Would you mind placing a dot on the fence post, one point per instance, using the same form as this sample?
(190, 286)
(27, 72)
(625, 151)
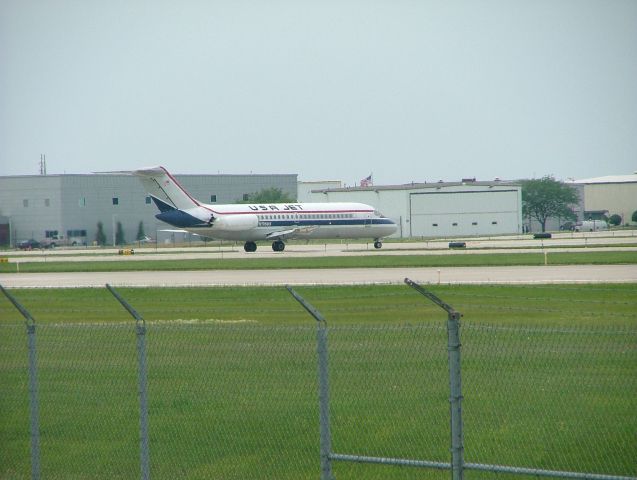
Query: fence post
(455, 383)
(324, 388)
(140, 328)
(455, 399)
(34, 414)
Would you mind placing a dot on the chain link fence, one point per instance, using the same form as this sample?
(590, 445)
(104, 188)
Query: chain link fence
(238, 400)
(225, 401)
(552, 398)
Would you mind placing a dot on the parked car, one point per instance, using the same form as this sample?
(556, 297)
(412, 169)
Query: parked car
(29, 244)
(591, 226)
(49, 243)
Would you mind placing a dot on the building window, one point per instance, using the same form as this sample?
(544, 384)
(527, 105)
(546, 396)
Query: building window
(434, 224)
(51, 234)
(47, 202)
(148, 200)
(474, 223)
(454, 224)
(82, 202)
(494, 223)
(246, 197)
(115, 201)
(213, 198)
(25, 202)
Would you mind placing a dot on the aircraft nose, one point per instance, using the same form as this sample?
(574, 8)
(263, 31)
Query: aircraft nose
(390, 228)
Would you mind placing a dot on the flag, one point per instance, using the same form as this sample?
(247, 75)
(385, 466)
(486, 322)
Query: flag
(367, 181)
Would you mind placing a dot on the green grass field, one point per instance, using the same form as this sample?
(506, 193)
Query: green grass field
(550, 380)
(458, 259)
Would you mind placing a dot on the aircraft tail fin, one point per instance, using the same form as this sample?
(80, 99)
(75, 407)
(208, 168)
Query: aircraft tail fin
(163, 187)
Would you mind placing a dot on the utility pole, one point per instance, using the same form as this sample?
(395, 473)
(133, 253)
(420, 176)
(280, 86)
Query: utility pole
(42, 164)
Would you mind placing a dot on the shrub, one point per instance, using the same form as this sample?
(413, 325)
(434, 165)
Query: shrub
(100, 237)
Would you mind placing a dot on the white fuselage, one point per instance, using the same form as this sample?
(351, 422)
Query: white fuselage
(251, 222)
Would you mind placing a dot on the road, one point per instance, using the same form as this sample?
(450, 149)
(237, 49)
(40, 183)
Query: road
(349, 276)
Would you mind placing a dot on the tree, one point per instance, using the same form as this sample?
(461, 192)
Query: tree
(269, 195)
(546, 198)
(615, 219)
(100, 237)
(634, 217)
(119, 234)
(140, 231)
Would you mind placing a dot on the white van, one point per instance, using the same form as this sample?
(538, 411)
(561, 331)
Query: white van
(591, 226)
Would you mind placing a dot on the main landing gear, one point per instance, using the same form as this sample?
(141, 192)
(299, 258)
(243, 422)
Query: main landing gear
(378, 243)
(277, 246)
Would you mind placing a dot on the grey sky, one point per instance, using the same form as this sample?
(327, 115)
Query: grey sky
(409, 90)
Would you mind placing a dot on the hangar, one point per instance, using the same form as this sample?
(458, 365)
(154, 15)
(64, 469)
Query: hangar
(65, 208)
(443, 209)
(608, 195)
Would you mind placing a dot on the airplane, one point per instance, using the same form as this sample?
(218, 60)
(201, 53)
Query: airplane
(253, 222)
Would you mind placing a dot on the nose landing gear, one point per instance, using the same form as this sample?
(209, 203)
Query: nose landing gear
(377, 243)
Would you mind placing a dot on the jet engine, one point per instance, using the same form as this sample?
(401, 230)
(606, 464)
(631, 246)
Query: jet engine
(235, 223)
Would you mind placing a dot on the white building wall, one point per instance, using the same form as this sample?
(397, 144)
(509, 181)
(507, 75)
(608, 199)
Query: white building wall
(474, 209)
(32, 207)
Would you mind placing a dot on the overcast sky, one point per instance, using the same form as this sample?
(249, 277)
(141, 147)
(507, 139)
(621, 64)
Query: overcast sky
(407, 90)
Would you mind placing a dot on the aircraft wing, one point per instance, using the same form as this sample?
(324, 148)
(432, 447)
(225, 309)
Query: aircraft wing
(171, 230)
(292, 232)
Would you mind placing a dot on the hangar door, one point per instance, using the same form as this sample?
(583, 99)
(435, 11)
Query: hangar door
(450, 214)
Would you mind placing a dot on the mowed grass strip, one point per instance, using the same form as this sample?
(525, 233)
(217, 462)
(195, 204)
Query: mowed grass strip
(546, 305)
(549, 380)
(458, 259)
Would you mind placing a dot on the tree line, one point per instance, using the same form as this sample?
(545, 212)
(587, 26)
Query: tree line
(546, 198)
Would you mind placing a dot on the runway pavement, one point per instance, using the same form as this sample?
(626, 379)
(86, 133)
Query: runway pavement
(449, 275)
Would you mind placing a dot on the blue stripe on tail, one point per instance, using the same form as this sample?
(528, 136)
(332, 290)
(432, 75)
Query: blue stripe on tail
(161, 205)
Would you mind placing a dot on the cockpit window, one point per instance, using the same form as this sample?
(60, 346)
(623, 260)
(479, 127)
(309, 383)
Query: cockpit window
(377, 213)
